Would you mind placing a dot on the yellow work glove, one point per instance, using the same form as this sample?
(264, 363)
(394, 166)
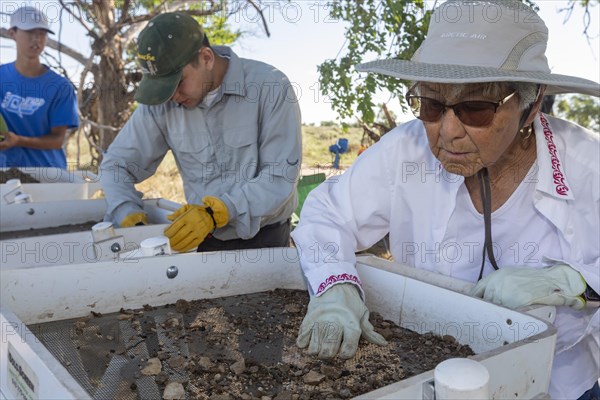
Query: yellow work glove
(192, 223)
(138, 218)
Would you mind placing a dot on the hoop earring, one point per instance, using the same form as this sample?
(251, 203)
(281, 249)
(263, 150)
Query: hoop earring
(526, 132)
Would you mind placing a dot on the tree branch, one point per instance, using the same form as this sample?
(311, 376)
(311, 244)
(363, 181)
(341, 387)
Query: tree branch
(87, 68)
(587, 17)
(136, 27)
(262, 17)
(388, 116)
(84, 120)
(79, 18)
(124, 12)
(53, 44)
(370, 133)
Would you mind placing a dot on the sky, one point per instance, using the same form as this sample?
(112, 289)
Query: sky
(303, 35)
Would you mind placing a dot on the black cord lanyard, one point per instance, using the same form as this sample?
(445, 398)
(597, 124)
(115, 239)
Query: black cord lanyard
(486, 199)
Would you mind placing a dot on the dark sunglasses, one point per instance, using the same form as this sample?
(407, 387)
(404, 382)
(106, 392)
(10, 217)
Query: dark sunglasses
(472, 113)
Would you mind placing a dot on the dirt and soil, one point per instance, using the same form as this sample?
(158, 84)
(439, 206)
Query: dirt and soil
(55, 230)
(14, 173)
(238, 347)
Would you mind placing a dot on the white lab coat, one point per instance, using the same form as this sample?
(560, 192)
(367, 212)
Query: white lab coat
(398, 186)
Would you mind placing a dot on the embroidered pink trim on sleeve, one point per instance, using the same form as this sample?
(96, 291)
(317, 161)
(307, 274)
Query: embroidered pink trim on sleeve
(559, 178)
(336, 279)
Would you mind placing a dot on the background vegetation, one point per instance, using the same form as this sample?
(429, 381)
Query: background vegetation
(166, 183)
(374, 29)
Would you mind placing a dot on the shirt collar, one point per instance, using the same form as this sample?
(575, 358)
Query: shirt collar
(551, 174)
(551, 177)
(233, 81)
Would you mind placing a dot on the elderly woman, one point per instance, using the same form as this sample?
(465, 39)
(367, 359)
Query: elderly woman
(514, 192)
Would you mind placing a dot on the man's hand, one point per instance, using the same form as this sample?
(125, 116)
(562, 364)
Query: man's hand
(134, 219)
(559, 285)
(192, 223)
(335, 322)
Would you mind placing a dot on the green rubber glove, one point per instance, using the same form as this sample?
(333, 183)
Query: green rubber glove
(3, 127)
(134, 219)
(559, 285)
(192, 223)
(335, 321)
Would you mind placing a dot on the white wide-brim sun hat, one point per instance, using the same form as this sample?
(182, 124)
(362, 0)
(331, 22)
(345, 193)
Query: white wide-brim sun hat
(483, 41)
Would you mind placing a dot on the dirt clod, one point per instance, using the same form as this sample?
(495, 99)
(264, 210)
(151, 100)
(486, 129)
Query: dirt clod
(153, 367)
(313, 378)
(173, 391)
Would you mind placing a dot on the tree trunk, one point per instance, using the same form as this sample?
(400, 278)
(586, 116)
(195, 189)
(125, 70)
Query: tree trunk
(112, 101)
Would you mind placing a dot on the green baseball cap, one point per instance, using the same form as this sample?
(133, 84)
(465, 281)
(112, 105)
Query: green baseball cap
(166, 45)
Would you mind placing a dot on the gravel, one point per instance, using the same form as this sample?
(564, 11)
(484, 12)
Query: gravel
(238, 347)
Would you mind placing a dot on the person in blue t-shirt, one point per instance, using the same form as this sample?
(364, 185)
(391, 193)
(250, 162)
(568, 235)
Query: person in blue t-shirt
(38, 105)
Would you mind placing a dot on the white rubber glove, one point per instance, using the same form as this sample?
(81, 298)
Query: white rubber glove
(559, 285)
(335, 321)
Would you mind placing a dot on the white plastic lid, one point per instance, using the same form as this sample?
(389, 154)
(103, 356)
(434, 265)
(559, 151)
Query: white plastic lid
(102, 231)
(154, 246)
(461, 378)
(13, 183)
(102, 226)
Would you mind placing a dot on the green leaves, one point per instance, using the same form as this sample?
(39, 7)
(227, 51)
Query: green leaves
(377, 29)
(218, 30)
(584, 110)
(3, 127)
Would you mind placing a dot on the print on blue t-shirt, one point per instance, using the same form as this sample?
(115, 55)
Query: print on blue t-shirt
(32, 107)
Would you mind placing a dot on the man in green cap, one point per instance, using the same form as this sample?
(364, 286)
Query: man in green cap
(234, 128)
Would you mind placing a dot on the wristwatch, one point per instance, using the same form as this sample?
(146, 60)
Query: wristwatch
(592, 298)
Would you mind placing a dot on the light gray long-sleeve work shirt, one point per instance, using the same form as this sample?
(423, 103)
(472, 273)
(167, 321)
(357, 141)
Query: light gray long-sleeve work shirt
(245, 148)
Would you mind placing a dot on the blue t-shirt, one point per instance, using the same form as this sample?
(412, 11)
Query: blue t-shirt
(32, 107)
